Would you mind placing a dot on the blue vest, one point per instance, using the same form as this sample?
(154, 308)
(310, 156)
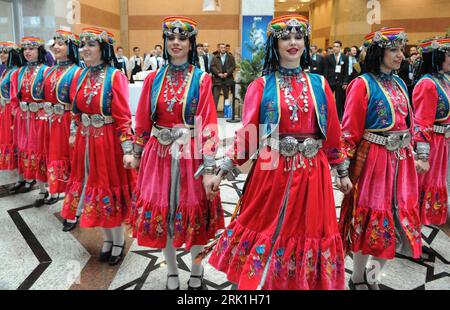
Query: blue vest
(443, 105)
(6, 83)
(381, 112)
(270, 108)
(106, 94)
(190, 98)
(64, 83)
(37, 89)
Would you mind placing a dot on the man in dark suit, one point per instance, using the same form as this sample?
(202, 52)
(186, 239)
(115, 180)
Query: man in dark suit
(316, 61)
(335, 68)
(222, 69)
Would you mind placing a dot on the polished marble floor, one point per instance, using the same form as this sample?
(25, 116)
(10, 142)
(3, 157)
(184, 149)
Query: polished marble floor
(35, 254)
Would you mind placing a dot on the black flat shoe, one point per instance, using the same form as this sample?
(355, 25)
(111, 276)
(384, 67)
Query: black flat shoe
(41, 201)
(202, 286)
(51, 200)
(114, 260)
(352, 286)
(105, 256)
(70, 226)
(17, 187)
(167, 283)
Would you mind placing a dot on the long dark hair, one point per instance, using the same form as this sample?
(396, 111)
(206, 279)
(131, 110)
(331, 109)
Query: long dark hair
(192, 56)
(374, 59)
(108, 54)
(272, 59)
(73, 55)
(14, 59)
(431, 63)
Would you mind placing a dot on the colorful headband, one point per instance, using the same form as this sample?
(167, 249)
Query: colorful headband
(67, 36)
(97, 34)
(429, 45)
(33, 42)
(8, 46)
(287, 24)
(386, 38)
(179, 25)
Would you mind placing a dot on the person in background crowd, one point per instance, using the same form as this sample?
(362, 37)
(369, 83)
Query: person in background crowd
(202, 62)
(335, 68)
(352, 60)
(222, 69)
(316, 61)
(122, 61)
(208, 54)
(135, 64)
(155, 62)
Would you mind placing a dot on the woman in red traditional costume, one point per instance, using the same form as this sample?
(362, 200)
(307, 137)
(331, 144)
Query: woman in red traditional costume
(431, 101)
(380, 216)
(10, 57)
(31, 120)
(176, 135)
(59, 91)
(99, 184)
(286, 235)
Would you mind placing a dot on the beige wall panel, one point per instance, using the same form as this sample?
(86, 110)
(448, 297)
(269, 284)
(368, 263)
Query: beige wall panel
(111, 6)
(178, 7)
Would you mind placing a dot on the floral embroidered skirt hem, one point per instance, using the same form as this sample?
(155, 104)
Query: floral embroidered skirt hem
(295, 263)
(8, 154)
(432, 185)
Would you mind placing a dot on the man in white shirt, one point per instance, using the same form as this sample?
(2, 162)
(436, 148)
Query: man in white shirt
(122, 60)
(135, 63)
(153, 63)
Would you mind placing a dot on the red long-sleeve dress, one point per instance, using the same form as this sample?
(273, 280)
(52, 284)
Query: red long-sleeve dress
(8, 156)
(305, 252)
(432, 185)
(98, 179)
(170, 205)
(58, 129)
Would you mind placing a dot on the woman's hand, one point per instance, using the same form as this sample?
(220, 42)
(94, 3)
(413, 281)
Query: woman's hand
(72, 140)
(130, 162)
(422, 166)
(211, 184)
(344, 185)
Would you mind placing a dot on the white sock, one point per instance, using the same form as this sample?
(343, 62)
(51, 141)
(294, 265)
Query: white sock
(118, 239)
(359, 268)
(196, 270)
(107, 236)
(170, 255)
(375, 270)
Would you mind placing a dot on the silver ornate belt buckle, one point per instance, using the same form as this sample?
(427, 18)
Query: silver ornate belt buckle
(310, 148)
(97, 121)
(289, 146)
(165, 136)
(2, 103)
(85, 120)
(406, 140)
(393, 143)
(447, 131)
(181, 135)
(34, 107)
(24, 106)
(48, 108)
(59, 109)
